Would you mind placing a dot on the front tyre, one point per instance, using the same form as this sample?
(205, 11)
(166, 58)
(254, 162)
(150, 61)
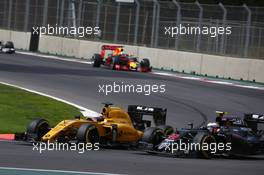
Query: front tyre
(37, 129)
(145, 63)
(97, 60)
(203, 138)
(88, 133)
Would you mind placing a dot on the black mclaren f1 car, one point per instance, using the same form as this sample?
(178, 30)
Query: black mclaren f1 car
(228, 136)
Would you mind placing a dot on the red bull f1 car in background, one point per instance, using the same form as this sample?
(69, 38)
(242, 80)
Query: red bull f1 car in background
(228, 136)
(117, 60)
(7, 47)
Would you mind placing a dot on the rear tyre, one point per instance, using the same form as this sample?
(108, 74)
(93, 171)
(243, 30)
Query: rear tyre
(113, 65)
(168, 130)
(88, 133)
(153, 135)
(204, 138)
(37, 129)
(97, 60)
(114, 62)
(9, 44)
(262, 137)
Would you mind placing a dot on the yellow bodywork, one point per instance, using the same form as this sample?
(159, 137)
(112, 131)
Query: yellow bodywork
(133, 65)
(110, 116)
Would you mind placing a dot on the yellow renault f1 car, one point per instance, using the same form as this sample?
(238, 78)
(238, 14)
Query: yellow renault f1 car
(114, 125)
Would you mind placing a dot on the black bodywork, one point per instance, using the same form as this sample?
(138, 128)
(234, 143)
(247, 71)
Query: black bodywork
(240, 137)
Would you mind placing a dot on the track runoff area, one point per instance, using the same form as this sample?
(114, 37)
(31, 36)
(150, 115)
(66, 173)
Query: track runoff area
(186, 100)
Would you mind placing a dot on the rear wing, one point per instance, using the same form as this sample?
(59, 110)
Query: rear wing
(255, 121)
(110, 47)
(136, 113)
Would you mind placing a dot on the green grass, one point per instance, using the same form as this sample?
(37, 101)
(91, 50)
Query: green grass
(19, 107)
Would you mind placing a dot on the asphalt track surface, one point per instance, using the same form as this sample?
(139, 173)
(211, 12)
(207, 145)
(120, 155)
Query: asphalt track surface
(186, 100)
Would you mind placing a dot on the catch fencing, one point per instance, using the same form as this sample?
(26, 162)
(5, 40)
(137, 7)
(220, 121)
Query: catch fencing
(144, 23)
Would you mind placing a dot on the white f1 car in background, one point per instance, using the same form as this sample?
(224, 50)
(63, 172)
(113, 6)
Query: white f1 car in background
(7, 47)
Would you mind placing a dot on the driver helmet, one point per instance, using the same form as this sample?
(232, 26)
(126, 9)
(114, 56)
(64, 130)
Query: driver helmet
(118, 51)
(213, 127)
(212, 124)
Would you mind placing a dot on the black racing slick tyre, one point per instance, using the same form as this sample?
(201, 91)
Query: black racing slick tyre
(153, 135)
(204, 138)
(262, 137)
(145, 63)
(88, 133)
(9, 44)
(114, 62)
(168, 130)
(113, 65)
(37, 129)
(97, 60)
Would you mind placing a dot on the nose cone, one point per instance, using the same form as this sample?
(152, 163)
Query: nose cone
(46, 137)
(132, 65)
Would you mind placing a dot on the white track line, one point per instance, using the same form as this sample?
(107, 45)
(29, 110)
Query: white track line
(209, 81)
(53, 171)
(157, 73)
(85, 111)
(56, 57)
